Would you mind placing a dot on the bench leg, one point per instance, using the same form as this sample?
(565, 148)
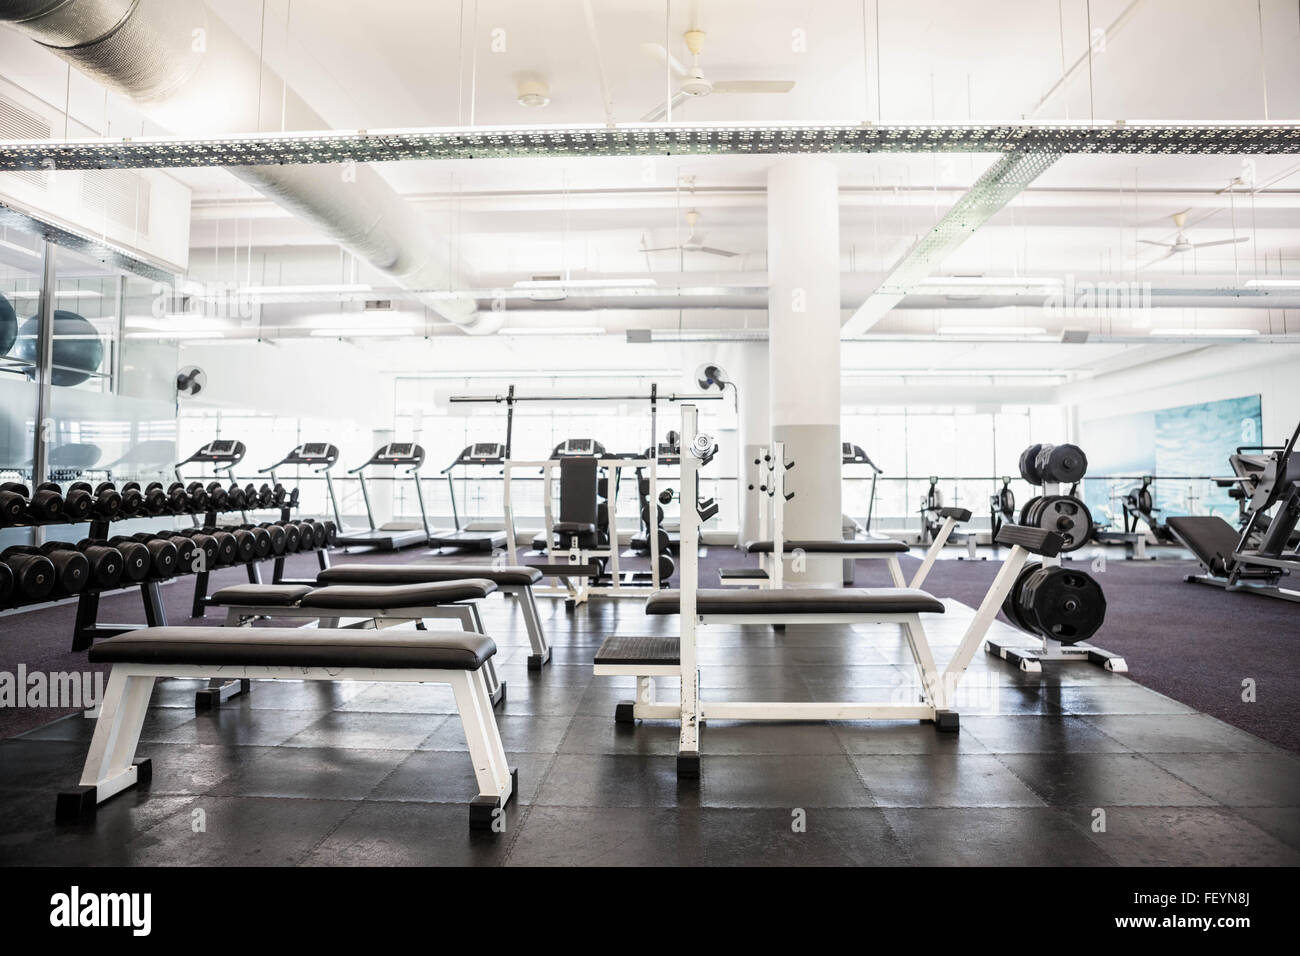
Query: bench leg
(933, 690)
(895, 572)
(533, 622)
(496, 781)
(110, 766)
(476, 618)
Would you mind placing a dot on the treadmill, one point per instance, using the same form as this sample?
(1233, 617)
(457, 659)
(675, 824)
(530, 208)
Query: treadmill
(393, 535)
(482, 454)
(319, 455)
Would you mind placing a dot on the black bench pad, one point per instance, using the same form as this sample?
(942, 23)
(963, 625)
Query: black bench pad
(345, 596)
(261, 595)
(799, 601)
(296, 647)
(831, 546)
(388, 574)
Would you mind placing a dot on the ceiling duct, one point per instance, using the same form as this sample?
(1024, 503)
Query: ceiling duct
(189, 72)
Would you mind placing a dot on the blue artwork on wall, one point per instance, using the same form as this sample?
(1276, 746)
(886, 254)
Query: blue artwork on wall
(1172, 444)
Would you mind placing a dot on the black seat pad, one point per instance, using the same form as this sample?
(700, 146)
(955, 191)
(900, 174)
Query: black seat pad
(830, 546)
(296, 647)
(261, 595)
(389, 574)
(1209, 537)
(344, 596)
(799, 601)
(573, 527)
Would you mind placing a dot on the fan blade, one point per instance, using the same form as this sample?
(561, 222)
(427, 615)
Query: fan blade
(660, 111)
(1220, 242)
(657, 51)
(1162, 245)
(753, 86)
(716, 252)
(1154, 261)
(662, 249)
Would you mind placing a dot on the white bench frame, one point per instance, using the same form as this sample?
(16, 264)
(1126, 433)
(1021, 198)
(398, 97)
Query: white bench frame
(111, 767)
(938, 688)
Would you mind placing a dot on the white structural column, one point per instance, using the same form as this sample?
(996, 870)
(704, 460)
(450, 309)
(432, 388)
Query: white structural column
(747, 362)
(803, 243)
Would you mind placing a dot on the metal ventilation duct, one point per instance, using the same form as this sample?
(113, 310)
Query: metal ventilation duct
(189, 72)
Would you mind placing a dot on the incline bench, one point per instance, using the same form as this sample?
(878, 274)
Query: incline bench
(771, 570)
(516, 580)
(139, 657)
(378, 607)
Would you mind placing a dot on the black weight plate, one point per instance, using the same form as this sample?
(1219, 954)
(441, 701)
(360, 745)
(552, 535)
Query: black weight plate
(1064, 464)
(1065, 604)
(666, 567)
(1068, 517)
(1028, 469)
(1011, 603)
(1027, 510)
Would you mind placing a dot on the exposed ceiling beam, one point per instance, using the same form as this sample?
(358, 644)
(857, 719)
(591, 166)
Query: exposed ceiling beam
(1000, 183)
(655, 139)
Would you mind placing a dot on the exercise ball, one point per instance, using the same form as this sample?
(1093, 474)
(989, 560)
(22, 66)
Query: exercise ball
(8, 325)
(77, 348)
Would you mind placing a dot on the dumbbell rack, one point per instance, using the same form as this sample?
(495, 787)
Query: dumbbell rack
(88, 627)
(1049, 650)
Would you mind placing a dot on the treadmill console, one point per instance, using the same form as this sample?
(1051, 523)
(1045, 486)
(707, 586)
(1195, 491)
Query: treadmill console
(222, 451)
(579, 448)
(398, 454)
(312, 454)
(482, 453)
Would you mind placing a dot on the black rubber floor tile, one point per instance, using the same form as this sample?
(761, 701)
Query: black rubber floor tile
(942, 780)
(609, 781)
(1040, 733)
(1239, 779)
(194, 768)
(40, 764)
(76, 727)
(412, 834)
(904, 737)
(519, 734)
(603, 836)
(235, 725)
(1026, 836)
(312, 773)
(1281, 823)
(447, 776)
(1102, 780)
(369, 731)
(30, 837)
(1105, 699)
(601, 735)
(395, 698)
(1178, 733)
(778, 837)
(787, 781)
(240, 831)
(750, 737)
(1185, 836)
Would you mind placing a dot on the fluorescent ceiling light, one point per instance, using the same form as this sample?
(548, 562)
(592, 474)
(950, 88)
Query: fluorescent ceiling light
(61, 294)
(35, 254)
(586, 283)
(1273, 283)
(555, 330)
(990, 330)
(325, 289)
(1208, 333)
(197, 334)
(1028, 283)
(356, 332)
(177, 323)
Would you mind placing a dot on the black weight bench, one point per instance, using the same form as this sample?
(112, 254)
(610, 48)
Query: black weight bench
(371, 606)
(139, 657)
(516, 580)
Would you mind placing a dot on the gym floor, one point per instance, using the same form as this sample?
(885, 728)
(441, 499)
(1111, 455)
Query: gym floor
(1074, 766)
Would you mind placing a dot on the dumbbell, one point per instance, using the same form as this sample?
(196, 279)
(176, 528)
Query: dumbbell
(184, 548)
(135, 556)
(71, 569)
(155, 499)
(13, 503)
(132, 499)
(200, 541)
(33, 574)
(278, 495)
(245, 544)
(320, 533)
(293, 498)
(331, 533)
(6, 584)
(46, 503)
(178, 502)
(163, 555)
(104, 564)
(292, 537)
(279, 540)
(250, 495)
(235, 497)
(105, 501)
(218, 497)
(265, 495)
(78, 504)
(261, 539)
(227, 546)
(198, 496)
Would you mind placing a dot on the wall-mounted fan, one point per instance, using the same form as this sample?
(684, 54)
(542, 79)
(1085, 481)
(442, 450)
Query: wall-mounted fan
(190, 381)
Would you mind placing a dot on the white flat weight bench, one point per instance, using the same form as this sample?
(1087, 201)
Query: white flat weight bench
(371, 606)
(139, 657)
(511, 580)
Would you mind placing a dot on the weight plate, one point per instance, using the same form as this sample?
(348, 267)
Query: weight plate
(1011, 603)
(1028, 469)
(666, 568)
(1068, 517)
(1065, 464)
(1064, 604)
(1029, 506)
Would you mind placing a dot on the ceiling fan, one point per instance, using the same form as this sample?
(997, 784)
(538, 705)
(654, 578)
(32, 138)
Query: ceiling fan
(1182, 244)
(694, 242)
(694, 83)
